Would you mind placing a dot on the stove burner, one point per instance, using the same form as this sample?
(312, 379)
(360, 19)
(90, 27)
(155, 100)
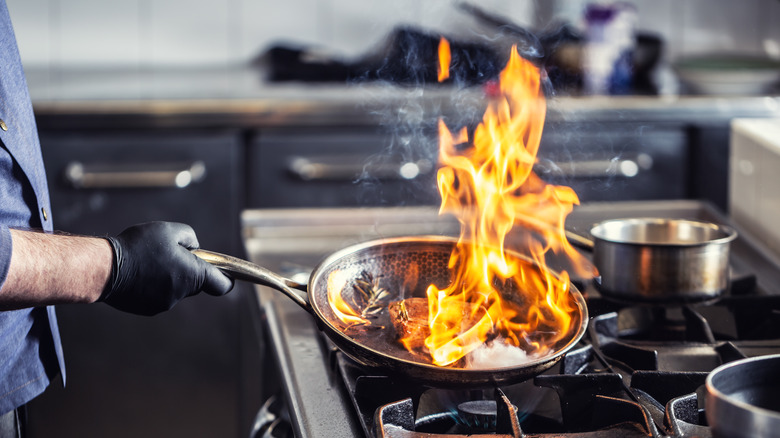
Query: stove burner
(497, 417)
(478, 414)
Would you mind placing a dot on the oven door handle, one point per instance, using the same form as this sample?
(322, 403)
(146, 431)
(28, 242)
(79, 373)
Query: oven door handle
(351, 167)
(141, 175)
(624, 167)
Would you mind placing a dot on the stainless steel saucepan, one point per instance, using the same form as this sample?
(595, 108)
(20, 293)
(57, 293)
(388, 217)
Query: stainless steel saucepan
(659, 259)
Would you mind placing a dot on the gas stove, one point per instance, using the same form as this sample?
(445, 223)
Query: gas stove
(639, 370)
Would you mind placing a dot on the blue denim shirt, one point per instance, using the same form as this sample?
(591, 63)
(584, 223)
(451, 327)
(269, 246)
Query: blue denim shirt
(30, 348)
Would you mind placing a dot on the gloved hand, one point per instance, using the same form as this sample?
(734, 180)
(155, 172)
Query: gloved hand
(153, 269)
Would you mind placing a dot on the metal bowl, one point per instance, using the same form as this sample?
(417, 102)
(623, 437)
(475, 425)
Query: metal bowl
(729, 74)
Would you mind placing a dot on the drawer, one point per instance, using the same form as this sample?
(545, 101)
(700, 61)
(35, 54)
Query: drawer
(323, 168)
(604, 162)
(100, 183)
(620, 161)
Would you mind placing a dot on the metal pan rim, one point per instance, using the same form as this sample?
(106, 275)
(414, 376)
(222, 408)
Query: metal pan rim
(550, 358)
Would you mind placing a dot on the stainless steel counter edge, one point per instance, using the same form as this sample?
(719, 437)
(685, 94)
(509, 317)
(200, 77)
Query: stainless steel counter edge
(368, 106)
(303, 370)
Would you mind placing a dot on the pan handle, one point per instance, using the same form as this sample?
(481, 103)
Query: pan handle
(241, 269)
(579, 240)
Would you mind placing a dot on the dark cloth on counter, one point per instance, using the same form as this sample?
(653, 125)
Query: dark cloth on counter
(30, 348)
(409, 56)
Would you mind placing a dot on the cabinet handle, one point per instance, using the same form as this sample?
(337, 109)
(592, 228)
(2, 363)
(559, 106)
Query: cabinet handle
(628, 167)
(151, 175)
(349, 168)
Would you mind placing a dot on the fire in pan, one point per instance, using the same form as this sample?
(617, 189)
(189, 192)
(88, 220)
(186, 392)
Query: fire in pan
(371, 300)
(464, 312)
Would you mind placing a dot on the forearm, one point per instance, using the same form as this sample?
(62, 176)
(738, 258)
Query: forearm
(54, 269)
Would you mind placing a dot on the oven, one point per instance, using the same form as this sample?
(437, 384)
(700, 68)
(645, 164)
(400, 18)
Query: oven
(638, 371)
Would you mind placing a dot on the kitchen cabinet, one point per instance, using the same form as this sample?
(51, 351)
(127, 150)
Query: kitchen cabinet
(102, 182)
(179, 373)
(327, 167)
(609, 161)
(319, 167)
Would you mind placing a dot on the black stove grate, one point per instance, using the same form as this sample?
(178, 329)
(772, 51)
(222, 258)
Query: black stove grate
(638, 372)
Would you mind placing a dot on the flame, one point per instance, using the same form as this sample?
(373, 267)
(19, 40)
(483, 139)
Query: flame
(487, 182)
(444, 59)
(337, 281)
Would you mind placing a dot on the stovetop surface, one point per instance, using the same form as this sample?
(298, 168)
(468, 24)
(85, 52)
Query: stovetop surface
(633, 356)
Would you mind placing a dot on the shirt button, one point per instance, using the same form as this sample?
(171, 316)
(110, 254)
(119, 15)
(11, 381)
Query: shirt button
(3, 126)
(45, 214)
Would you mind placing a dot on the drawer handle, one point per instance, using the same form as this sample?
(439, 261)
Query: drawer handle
(330, 169)
(348, 168)
(619, 167)
(115, 176)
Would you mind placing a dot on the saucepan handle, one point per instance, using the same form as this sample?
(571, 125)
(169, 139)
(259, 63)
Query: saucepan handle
(579, 240)
(241, 269)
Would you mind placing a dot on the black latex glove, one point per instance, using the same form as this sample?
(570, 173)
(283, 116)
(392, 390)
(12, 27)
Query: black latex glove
(153, 269)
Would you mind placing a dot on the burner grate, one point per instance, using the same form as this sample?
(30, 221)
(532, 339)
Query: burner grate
(637, 373)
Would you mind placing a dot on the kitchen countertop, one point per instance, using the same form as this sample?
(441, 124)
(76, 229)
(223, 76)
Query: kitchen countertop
(238, 96)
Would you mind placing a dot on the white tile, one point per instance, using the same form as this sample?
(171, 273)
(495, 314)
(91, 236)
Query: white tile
(655, 16)
(522, 12)
(360, 27)
(32, 24)
(444, 17)
(186, 32)
(721, 26)
(673, 47)
(96, 32)
(518, 12)
(267, 22)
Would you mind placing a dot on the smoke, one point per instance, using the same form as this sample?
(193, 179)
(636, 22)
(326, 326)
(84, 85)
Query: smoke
(400, 82)
(402, 170)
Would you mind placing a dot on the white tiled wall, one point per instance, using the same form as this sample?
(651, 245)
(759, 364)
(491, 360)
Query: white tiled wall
(55, 33)
(196, 32)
